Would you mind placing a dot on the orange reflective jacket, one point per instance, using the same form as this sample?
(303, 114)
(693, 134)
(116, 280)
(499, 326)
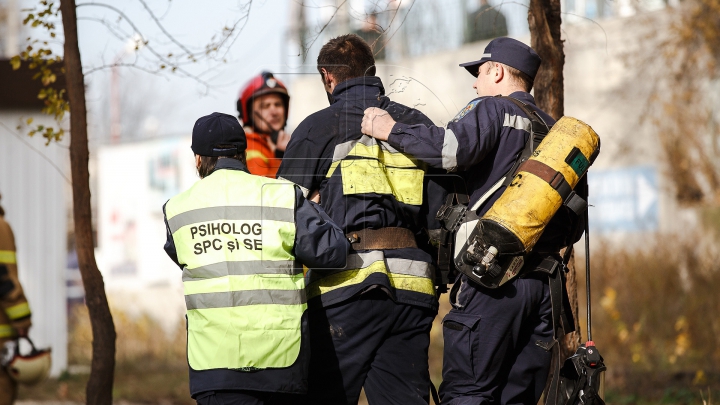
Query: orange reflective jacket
(261, 160)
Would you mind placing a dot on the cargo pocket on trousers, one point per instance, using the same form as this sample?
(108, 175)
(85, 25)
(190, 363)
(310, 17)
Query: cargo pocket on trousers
(458, 354)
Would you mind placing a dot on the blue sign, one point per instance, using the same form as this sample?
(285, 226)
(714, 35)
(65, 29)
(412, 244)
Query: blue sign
(624, 199)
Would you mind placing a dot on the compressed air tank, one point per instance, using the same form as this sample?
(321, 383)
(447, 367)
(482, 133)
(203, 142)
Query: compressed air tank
(542, 184)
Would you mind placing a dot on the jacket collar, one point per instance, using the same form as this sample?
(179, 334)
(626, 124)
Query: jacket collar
(526, 98)
(232, 164)
(359, 88)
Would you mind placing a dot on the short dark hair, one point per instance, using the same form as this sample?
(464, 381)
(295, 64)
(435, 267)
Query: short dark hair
(520, 78)
(207, 163)
(346, 57)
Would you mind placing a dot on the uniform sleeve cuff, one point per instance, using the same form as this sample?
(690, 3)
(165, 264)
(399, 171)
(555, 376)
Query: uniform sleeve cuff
(397, 134)
(399, 128)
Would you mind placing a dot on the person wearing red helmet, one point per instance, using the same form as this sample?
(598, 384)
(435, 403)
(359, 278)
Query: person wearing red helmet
(263, 108)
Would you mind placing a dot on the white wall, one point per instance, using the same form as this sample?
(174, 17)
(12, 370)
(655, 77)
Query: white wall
(134, 180)
(35, 197)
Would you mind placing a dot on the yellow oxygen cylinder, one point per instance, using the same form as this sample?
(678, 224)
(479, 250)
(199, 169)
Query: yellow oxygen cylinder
(516, 220)
(530, 201)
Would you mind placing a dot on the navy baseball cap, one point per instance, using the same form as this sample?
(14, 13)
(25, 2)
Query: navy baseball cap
(215, 130)
(510, 52)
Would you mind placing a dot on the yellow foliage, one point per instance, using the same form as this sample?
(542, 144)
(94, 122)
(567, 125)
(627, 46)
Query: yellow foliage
(647, 320)
(608, 300)
(682, 343)
(700, 378)
(55, 100)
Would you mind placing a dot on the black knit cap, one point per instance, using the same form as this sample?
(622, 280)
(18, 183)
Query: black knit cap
(215, 130)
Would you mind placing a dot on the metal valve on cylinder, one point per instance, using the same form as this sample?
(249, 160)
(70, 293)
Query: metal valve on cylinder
(485, 265)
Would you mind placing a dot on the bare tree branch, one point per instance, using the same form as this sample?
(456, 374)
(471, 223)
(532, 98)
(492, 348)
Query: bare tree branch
(119, 64)
(42, 155)
(401, 23)
(307, 48)
(162, 28)
(174, 65)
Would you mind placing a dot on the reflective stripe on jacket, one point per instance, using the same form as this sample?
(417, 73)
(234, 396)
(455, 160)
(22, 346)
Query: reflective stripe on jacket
(261, 160)
(365, 184)
(366, 166)
(234, 234)
(14, 308)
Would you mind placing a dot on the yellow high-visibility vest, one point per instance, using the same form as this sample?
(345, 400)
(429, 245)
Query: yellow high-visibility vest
(366, 166)
(245, 294)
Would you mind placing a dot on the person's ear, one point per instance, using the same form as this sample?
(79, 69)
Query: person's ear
(328, 78)
(197, 161)
(499, 73)
(323, 75)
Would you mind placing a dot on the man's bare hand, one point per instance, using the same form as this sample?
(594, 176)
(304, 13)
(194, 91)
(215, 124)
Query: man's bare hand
(282, 141)
(377, 123)
(315, 197)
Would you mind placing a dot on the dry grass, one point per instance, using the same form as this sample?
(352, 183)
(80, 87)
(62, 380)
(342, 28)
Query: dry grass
(656, 320)
(151, 363)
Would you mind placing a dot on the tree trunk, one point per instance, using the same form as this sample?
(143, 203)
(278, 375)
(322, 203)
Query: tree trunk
(99, 386)
(544, 20)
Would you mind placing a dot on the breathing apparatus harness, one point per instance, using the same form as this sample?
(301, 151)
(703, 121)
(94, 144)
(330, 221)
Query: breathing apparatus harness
(455, 214)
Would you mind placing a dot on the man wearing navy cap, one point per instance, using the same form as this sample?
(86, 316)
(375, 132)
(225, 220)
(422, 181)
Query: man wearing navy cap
(241, 241)
(491, 335)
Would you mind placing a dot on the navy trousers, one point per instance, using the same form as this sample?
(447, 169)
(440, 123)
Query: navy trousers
(248, 398)
(373, 342)
(490, 335)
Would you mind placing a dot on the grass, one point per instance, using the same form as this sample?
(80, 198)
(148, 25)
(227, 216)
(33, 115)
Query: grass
(151, 363)
(655, 320)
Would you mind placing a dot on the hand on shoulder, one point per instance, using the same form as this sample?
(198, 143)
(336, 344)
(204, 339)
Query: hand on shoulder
(377, 123)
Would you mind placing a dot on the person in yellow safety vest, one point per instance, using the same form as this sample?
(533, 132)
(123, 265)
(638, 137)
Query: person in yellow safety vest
(14, 309)
(241, 241)
(369, 322)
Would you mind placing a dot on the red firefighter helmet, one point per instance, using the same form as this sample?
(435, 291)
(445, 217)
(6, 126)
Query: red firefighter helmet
(260, 85)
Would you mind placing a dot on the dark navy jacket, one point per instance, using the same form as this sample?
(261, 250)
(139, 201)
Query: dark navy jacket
(320, 156)
(482, 143)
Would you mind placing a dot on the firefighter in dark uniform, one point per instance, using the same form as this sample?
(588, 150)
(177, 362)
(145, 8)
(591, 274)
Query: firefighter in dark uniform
(491, 351)
(241, 241)
(370, 319)
(14, 309)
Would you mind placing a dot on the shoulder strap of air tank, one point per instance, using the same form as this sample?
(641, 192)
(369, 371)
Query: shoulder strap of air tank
(538, 130)
(538, 124)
